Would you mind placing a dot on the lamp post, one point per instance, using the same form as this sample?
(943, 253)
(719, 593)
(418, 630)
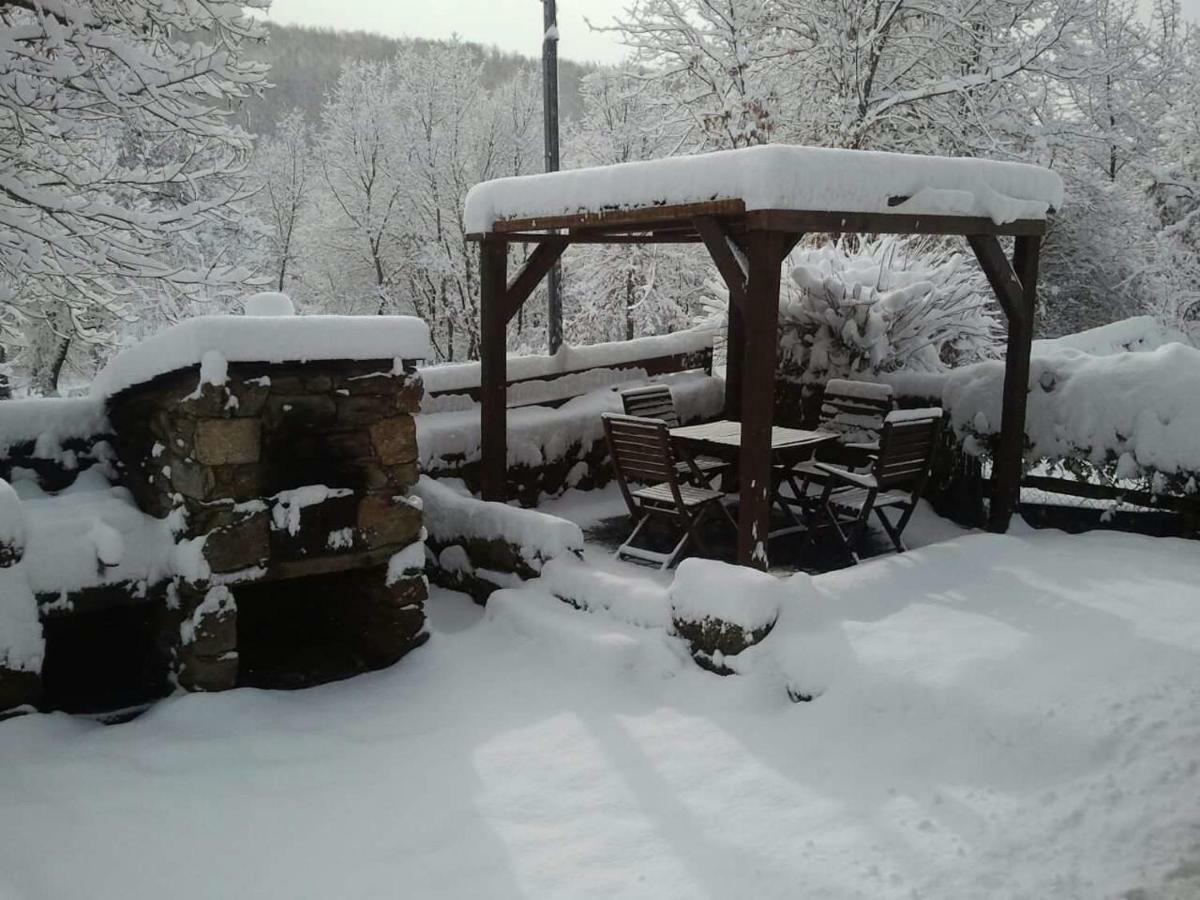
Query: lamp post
(554, 332)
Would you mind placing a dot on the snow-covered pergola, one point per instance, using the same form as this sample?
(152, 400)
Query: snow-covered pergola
(749, 208)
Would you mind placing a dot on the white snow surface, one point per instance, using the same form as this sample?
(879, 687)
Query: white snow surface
(779, 176)
(1096, 407)
(450, 514)
(1000, 716)
(708, 589)
(270, 338)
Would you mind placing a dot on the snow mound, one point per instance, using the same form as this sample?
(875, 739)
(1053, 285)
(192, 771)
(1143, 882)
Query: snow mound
(708, 589)
(778, 176)
(268, 303)
(270, 339)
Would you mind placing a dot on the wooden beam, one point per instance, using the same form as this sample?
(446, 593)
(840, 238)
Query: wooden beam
(647, 215)
(807, 222)
(493, 369)
(718, 243)
(1008, 461)
(540, 261)
(766, 252)
(1000, 274)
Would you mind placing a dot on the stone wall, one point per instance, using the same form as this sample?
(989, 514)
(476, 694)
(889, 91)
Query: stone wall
(280, 472)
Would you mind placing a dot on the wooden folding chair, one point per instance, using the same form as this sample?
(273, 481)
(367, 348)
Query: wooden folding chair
(654, 401)
(895, 481)
(853, 410)
(641, 452)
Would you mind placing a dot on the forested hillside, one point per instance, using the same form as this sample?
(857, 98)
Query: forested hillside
(305, 63)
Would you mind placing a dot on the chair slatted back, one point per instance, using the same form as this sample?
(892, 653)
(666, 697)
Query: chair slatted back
(906, 448)
(640, 449)
(654, 401)
(855, 410)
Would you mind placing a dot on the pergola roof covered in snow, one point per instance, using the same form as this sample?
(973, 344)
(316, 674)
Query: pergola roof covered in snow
(838, 185)
(750, 207)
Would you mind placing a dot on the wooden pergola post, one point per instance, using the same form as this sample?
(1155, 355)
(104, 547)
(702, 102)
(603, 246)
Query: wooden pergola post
(766, 251)
(1008, 462)
(493, 369)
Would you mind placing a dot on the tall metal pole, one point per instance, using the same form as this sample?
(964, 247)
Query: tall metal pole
(554, 331)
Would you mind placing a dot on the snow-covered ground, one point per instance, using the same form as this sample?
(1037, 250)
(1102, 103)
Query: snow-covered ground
(1009, 716)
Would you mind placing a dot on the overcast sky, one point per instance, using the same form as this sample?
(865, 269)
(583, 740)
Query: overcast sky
(514, 25)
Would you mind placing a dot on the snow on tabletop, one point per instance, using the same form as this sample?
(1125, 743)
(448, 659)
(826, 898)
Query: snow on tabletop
(49, 421)
(463, 376)
(709, 589)
(450, 516)
(269, 339)
(779, 176)
(1142, 405)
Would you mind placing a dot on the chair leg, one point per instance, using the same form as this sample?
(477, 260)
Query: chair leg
(893, 531)
(673, 556)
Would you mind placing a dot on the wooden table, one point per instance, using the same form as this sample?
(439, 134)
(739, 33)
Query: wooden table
(723, 438)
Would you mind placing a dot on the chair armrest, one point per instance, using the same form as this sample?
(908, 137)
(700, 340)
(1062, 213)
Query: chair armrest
(864, 481)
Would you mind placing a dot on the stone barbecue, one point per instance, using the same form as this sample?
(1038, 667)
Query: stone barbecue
(232, 506)
(291, 483)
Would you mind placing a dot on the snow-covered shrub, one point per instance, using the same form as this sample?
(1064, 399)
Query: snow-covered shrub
(859, 310)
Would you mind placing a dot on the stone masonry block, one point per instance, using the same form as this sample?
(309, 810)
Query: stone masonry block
(221, 442)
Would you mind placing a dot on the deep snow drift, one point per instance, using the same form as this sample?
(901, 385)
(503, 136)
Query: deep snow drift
(1000, 716)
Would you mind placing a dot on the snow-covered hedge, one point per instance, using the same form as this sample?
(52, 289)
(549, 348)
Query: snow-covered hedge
(52, 439)
(1136, 413)
(551, 449)
(478, 546)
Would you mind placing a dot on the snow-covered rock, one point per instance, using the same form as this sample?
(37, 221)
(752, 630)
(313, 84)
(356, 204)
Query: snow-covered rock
(721, 610)
(778, 176)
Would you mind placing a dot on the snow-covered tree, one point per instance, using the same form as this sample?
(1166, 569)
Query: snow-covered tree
(363, 169)
(116, 151)
(284, 164)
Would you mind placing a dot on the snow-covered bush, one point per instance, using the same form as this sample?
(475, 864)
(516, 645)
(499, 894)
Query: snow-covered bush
(1121, 417)
(859, 310)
